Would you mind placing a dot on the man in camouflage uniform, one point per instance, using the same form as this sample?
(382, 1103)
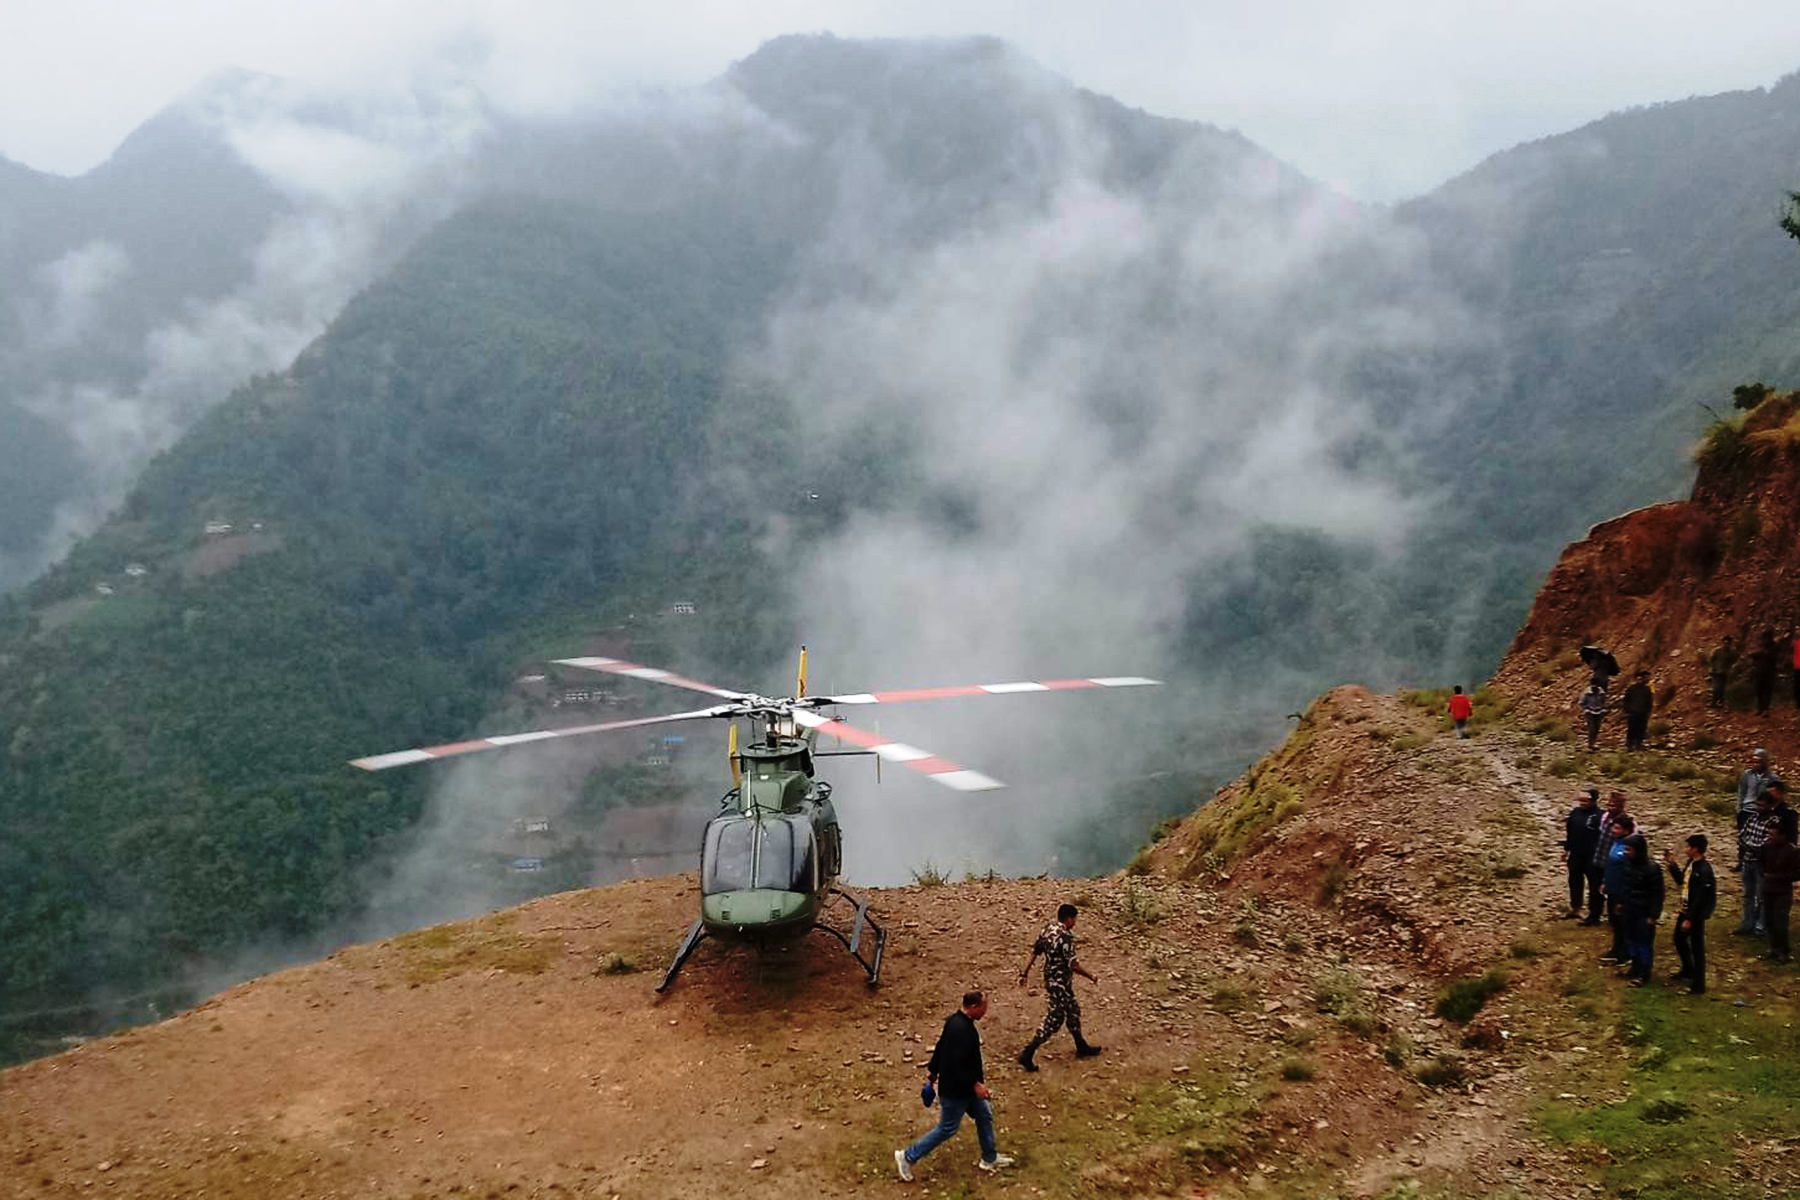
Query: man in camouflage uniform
(1057, 945)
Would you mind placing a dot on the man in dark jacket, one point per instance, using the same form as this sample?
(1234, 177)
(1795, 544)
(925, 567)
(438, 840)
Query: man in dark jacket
(1581, 831)
(1780, 867)
(955, 1068)
(1643, 907)
(1699, 897)
(1637, 704)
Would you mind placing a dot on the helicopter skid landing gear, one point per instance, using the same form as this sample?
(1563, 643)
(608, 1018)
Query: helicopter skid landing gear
(695, 934)
(853, 941)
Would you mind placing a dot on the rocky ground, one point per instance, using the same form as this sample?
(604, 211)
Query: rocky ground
(1269, 1013)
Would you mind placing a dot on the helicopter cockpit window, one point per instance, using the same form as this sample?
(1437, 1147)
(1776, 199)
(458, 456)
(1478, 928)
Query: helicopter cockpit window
(775, 869)
(730, 856)
(786, 862)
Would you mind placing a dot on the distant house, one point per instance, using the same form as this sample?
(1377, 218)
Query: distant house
(657, 758)
(105, 589)
(584, 695)
(684, 608)
(532, 863)
(673, 740)
(217, 528)
(136, 570)
(536, 824)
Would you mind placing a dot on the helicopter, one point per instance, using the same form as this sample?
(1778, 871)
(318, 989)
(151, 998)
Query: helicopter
(771, 856)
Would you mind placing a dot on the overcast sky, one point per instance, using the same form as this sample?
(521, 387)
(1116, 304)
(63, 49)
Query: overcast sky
(1383, 98)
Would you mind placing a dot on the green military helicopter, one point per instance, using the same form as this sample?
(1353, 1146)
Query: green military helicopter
(770, 859)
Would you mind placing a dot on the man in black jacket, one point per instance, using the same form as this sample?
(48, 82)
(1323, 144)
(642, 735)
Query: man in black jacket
(1637, 704)
(1699, 897)
(955, 1068)
(1581, 832)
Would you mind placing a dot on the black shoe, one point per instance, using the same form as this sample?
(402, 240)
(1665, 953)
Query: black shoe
(1611, 960)
(1681, 974)
(1086, 1051)
(1697, 990)
(1591, 921)
(1025, 1055)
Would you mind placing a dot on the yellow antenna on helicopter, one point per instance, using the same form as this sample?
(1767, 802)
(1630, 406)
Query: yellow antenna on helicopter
(732, 756)
(800, 686)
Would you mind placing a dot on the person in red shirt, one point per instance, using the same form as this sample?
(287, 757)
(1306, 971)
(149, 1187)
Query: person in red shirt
(1794, 638)
(1461, 709)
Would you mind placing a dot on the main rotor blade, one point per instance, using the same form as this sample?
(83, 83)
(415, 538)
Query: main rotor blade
(618, 666)
(938, 770)
(989, 689)
(401, 758)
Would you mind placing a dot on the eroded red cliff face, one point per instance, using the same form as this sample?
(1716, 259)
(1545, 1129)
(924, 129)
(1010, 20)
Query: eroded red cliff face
(1662, 586)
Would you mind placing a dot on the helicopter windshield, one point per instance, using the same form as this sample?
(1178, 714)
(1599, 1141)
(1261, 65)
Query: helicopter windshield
(730, 856)
(775, 853)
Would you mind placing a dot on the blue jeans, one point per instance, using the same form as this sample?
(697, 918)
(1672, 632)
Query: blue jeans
(951, 1110)
(1753, 917)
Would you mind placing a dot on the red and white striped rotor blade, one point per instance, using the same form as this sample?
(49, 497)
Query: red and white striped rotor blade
(618, 666)
(401, 758)
(990, 689)
(938, 770)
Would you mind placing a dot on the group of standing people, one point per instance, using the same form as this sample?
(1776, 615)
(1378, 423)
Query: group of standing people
(1609, 867)
(955, 1078)
(1765, 662)
(1637, 702)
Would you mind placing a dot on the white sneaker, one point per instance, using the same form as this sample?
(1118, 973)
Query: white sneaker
(904, 1167)
(1000, 1160)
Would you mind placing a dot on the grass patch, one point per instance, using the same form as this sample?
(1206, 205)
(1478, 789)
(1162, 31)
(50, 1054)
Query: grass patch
(1412, 741)
(1209, 1122)
(1463, 999)
(1296, 1070)
(1703, 1108)
(442, 951)
(616, 964)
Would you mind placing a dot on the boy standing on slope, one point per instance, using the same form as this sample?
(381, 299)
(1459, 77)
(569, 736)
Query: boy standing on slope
(1699, 890)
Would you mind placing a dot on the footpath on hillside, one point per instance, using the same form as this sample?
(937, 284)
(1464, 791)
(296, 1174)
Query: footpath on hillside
(1342, 977)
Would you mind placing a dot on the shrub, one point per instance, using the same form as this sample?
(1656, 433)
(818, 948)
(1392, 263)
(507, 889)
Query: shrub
(1296, 1071)
(616, 964)
(1463, 999)
(929, 875)
(1332, 881)
(1748, 395)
